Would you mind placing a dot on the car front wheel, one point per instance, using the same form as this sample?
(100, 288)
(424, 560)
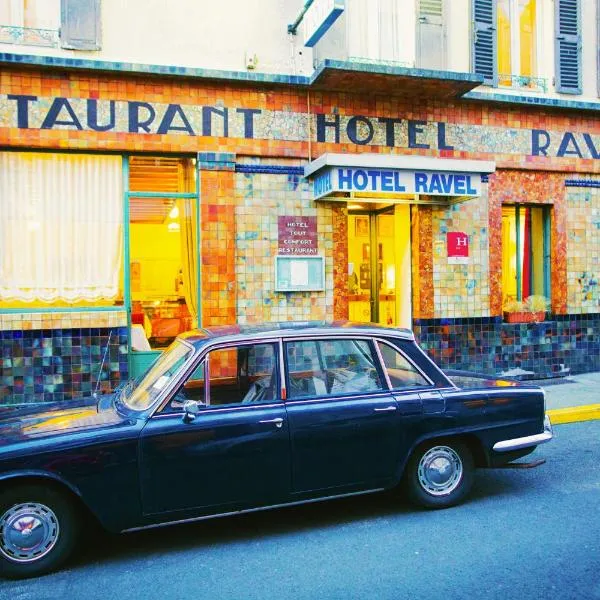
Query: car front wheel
(38, 530)
(439, 474)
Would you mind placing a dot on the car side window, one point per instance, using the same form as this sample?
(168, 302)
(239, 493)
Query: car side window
(237, 375)
(331, 367)
(401, 372)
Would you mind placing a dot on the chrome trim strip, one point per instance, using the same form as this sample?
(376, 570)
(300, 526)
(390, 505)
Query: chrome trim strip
(527, 441)
(251, 510)
(215, 408)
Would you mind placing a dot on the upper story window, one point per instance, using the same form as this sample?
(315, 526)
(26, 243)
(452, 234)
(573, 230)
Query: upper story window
(38, 23)
(517, 41)
(505, 44)
(431, 34)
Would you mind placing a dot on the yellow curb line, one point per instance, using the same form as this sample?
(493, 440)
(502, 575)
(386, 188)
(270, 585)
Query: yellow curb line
(588, 412)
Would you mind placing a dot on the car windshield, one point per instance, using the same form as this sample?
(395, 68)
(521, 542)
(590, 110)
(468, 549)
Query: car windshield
(140, 394)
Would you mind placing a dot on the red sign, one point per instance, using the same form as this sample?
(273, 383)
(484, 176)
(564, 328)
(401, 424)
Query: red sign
(457, 244)
(298, 235)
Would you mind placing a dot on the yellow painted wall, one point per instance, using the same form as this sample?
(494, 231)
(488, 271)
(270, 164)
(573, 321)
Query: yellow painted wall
(159, 254)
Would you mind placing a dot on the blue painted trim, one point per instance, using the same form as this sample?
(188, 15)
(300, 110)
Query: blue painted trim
(590, 183)
(325, 25)
(54, 309)
(270, 169)
(532, 101)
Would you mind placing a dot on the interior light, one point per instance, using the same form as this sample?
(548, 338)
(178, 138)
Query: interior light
(173, 227)
(174, 212)
(354, 206)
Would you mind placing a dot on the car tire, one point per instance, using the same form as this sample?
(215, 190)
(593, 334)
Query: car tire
(51, 524)
(439, 474)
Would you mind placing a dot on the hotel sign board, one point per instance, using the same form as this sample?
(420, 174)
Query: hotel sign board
(395, 181)
(319, 17)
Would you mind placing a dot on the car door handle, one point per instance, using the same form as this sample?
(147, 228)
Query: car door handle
(386, 409)
(278, 421)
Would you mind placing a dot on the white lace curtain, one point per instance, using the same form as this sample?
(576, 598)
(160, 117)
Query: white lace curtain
(61, 223)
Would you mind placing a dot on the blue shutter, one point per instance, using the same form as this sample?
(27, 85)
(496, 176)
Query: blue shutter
(80, 24)
(568, 47)
(485, 40)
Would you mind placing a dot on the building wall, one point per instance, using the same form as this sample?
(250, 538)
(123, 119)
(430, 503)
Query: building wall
(583, 249)
(249, 175)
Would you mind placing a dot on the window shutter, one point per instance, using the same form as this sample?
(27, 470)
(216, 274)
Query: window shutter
(484, 41)
(80, 24)
(568, 47)
(430, 35)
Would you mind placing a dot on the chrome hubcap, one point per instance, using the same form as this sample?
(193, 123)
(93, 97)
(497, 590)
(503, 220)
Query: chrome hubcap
(440, 471)
(28, 532)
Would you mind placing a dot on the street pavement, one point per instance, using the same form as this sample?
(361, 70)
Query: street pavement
(574, 398)
(522, 534)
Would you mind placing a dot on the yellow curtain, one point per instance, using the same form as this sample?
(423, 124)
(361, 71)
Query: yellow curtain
(189, 254)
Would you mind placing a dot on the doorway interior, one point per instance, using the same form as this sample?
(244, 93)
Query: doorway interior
(379, 264)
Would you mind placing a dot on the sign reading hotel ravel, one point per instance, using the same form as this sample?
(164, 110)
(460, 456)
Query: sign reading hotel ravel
(342, 179)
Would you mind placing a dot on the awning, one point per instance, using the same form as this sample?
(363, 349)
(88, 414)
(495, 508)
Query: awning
(396, 178)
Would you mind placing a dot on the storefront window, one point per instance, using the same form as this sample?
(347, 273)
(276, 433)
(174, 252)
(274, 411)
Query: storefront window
(525, 252)
(163, 250)
(61, 233)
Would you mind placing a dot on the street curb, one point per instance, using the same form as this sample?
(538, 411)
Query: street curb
(574, 414)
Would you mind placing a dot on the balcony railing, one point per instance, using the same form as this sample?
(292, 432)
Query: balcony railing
(28, 36)
(523, 82)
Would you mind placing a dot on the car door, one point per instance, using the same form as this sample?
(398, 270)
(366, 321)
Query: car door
(234, 451)
(345, 426)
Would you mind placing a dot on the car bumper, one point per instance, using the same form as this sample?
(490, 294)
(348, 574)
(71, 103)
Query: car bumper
(527, 441)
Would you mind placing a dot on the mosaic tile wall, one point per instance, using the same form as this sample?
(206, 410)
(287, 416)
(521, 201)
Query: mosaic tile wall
(59, 356)
(583, 250)
(461, 290)
(261, 198)
(566, 344)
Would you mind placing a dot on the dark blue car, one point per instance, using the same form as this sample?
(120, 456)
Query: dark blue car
(238, 418)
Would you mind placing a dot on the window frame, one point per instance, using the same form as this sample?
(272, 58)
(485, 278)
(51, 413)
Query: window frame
(411, 362)
(546, 248)
(203, 357)
(384, 381)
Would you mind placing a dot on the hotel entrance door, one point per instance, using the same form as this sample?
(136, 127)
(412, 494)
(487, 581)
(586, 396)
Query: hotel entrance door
(379, 278)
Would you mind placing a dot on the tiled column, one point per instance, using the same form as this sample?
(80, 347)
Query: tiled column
(217, 225)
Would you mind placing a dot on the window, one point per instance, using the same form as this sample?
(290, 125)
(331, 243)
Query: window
(237, 375)
(331, 367)
(401, 372)
(163, 249)
(516, 25)
(67, 211)
(505, 40)
(38, 23)
(525, 252)
(431, 42)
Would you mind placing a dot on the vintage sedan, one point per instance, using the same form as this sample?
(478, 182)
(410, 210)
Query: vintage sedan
(233, 419)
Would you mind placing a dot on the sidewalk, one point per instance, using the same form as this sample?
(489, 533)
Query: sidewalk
(573, 398)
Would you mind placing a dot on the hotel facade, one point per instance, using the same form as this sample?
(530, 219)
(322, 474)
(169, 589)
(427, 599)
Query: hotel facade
(413, 164)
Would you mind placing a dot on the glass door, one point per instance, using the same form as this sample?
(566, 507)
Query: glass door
(162, 254)
(372, 266)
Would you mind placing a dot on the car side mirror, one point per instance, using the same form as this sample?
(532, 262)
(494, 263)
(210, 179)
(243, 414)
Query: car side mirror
(190, 409)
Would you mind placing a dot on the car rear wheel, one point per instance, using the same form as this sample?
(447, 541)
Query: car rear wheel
(38, 530)
(439, 474)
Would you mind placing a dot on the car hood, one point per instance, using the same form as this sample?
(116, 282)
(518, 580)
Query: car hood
(26, 422)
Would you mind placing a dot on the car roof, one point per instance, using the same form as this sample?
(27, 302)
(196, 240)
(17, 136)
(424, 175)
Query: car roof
(292, 329)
